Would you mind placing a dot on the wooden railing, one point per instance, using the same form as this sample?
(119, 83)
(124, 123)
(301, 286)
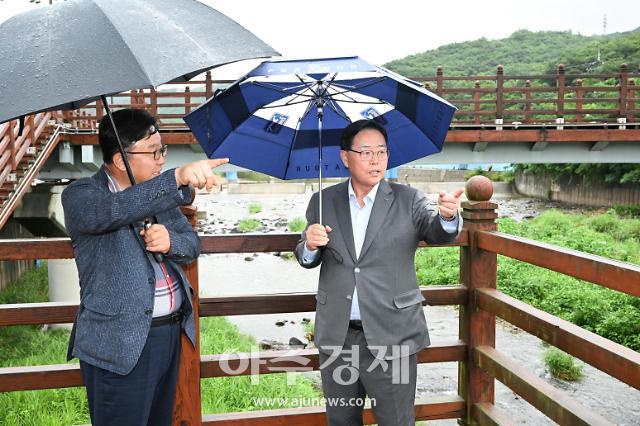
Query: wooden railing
(479, 362)
(509, 101)
(13, 148)
(557, 98)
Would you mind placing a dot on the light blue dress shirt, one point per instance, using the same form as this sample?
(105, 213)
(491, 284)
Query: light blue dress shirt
(359, 221)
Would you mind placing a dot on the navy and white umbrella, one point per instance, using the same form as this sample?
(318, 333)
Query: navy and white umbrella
(285, 117)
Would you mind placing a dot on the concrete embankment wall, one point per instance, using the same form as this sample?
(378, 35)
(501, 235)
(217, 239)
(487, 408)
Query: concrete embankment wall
(576, 190)
(10, 270)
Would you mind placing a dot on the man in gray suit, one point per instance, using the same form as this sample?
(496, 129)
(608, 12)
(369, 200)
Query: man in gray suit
(369, 318)
(133, 306)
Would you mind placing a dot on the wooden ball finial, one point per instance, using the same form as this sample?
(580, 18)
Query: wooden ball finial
(479, 188)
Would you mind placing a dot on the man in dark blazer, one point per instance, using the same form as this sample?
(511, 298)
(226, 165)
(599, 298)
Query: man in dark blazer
(369, 319)
(133, 307)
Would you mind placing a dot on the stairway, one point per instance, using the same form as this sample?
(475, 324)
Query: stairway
(45, 135)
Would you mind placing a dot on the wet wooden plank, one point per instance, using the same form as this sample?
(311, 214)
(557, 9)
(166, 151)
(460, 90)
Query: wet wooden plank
(616, 275)
(490, 415)
(60, 248)
(553, 402)
(610, 357)
(306, 302)
(36, 248)
(449, 407)
(249, 243)
(40, 377)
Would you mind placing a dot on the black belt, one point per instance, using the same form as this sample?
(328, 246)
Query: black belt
(355, 324)
(168, 319)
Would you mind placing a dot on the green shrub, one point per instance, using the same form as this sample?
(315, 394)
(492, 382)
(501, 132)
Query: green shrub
(561, 365)
(627, 210)
(297, 224)
(249, 225)
(255, 208)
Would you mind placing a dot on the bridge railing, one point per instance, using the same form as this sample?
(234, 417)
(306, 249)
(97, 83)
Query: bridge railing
(488, 99)
(553, 98)
(14, 147)
(479, 362)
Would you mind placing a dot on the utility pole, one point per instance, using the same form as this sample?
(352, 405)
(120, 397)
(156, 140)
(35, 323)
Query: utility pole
(604, 25)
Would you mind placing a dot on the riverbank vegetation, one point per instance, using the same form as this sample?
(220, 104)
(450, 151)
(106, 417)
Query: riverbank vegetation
(37, 345)
(608, 313)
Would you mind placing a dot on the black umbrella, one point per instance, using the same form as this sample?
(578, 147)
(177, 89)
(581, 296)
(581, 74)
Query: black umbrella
(71, 53)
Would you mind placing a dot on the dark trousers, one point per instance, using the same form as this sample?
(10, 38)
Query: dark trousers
(145, 396)
(391, 391)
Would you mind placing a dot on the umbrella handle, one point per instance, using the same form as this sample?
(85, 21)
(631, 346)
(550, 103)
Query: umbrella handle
(157, 256)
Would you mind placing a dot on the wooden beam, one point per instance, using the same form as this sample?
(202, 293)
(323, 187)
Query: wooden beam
(616, 275)
(60, 248)
(300, 360)
(306, 302)
(184, 137)
(249, 243)
(448, 407)
(63, 312)
(219, 365)
(490, 415)
(610, 357)
(552, 402)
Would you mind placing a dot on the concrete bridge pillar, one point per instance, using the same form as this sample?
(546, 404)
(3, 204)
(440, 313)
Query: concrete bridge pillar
(41, 214)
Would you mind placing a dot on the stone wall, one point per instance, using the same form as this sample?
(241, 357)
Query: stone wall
(576, 191)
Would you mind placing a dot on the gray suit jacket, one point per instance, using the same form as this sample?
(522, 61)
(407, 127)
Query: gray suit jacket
(388, 294)
(117, 280)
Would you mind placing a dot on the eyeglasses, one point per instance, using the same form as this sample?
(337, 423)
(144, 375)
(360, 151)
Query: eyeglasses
(160, 152)
(367, 155)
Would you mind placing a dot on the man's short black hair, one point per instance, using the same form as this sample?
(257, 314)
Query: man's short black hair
(356, 127)
(132, 124)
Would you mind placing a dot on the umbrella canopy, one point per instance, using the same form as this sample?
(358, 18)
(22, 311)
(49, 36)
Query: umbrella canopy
(285, 118)
(68, 54)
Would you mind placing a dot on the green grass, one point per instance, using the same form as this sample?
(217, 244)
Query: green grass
(255, 208)
(297, 224)
(611, 314)
(561, 365)
(31, 345)
(248, 225)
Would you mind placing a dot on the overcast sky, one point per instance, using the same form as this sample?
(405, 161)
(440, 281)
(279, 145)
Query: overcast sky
(380, 31)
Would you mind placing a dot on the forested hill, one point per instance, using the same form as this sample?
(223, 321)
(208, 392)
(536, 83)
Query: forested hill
(526, 52)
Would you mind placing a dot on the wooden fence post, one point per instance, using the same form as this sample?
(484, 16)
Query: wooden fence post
(527, 101)
(624, 76)
(478, 269)
(187, 100)
(499, 92)
(632, 102)
(476, 102)
(561, 86)
(579, 95)
(12, 143)
(208, 85)
(153, 102)
(187, 409)
(439, 81)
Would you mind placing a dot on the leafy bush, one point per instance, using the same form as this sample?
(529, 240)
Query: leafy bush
(255, 208)
(249, 225)
(297, 224)
(561, 365)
